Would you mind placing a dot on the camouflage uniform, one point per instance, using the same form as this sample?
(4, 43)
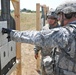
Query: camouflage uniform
(48, 26)
(37, 49)
(57, 37)
(51, 13)
(63, 37)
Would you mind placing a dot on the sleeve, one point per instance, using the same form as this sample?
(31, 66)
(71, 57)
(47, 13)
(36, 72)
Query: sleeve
(45, 39)
(30, 37)
(37, 49)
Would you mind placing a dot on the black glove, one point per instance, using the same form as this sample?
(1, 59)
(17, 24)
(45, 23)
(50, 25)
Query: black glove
(6, 31)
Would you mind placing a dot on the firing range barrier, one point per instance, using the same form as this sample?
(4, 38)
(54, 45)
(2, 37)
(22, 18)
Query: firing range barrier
(10, 52)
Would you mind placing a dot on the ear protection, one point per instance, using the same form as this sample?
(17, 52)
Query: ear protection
(68, 16)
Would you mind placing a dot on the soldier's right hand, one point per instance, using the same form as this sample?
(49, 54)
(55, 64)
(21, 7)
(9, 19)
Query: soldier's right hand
(6, 31)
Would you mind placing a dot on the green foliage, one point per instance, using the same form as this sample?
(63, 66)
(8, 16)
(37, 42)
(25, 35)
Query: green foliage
(27, 10)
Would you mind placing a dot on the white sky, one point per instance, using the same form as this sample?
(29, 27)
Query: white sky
(31, 4)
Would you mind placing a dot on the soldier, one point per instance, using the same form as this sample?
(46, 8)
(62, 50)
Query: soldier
(52, 21)
(62, 37)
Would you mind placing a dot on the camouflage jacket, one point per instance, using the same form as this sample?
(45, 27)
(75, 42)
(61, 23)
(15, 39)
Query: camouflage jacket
(62, 37)
(37, 48)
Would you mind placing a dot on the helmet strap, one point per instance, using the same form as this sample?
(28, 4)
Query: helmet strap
(62, 22)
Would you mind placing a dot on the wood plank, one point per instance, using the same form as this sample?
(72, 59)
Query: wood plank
(38, 27)
(15, 0)
(16, 4)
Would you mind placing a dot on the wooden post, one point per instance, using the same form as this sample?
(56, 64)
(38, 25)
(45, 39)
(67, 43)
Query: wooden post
(38, 27)
(38, 16)
(47, 9)
(16, 4)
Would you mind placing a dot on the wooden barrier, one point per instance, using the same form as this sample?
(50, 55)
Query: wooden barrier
(16, 5)
(38, 27)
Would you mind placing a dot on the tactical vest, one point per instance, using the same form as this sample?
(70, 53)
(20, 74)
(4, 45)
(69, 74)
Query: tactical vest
(66, 61)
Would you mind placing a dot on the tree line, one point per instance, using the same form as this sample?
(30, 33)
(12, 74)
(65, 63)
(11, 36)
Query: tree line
(26, 10)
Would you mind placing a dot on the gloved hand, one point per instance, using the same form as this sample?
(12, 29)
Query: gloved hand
(6, 31)
(36, 56)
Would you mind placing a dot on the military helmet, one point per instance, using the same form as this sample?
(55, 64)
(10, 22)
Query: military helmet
(66, 8)
(52, 13)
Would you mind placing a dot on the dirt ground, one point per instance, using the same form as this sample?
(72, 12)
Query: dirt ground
(28, 60)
